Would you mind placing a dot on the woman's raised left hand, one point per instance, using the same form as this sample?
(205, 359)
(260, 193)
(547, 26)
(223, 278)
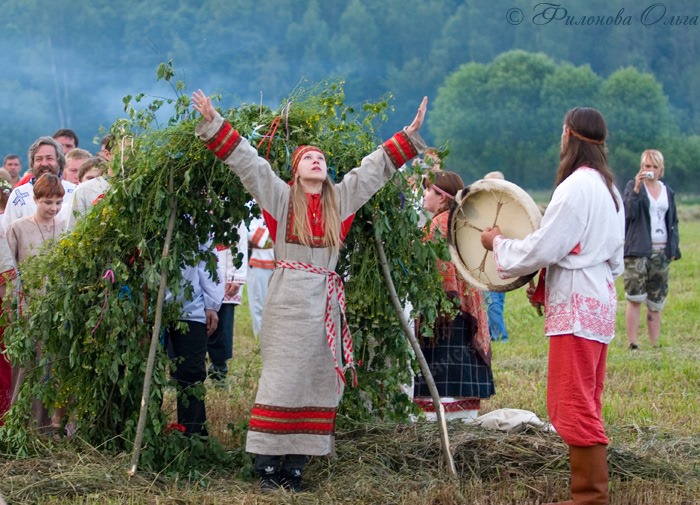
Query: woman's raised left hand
(420, 116)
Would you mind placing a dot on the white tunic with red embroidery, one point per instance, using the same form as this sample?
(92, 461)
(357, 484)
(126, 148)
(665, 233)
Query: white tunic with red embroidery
(581, 243)
(300, 388)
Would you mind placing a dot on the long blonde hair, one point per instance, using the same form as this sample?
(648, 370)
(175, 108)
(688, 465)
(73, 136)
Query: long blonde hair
(330, 216)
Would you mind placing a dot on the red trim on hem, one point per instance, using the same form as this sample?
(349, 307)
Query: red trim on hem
(455, 406)
(276, 426)
(286, 420)
(305, 413)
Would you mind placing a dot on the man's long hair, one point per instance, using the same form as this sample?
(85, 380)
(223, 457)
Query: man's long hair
(585, 147)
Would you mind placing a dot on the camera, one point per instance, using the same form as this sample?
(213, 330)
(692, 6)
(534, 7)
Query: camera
(648, 175)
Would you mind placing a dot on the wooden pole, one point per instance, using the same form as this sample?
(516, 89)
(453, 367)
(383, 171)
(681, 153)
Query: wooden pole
(427, 376)
(155, 336)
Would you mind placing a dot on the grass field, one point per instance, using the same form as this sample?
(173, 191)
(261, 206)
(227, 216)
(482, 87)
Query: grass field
(651, 411)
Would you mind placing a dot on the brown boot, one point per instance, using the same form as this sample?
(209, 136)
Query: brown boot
(589, 476)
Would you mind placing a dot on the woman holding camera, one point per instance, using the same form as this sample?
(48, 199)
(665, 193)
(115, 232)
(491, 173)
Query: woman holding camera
(651, 243)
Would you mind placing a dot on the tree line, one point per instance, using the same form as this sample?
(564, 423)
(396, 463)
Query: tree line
(69, 65)
(478, 113)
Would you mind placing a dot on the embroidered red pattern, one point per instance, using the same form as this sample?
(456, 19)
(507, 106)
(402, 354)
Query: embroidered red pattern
(224, 142)
(589, 314)
(457, 405)
(400, 149)
(292, 238)
(264, 264)
(288, 421)
(258, 236)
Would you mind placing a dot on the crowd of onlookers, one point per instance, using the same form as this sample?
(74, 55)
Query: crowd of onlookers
(36, 208)
(61, 183)
(58, 155)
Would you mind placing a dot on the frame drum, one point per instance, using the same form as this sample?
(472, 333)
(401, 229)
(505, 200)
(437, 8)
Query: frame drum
(489, 202)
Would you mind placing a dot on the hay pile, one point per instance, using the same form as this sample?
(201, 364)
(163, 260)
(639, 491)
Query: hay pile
(397, 465)
(387, 465)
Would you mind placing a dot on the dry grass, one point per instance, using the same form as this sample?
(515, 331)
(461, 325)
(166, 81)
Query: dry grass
(651, 410)
(388, 465)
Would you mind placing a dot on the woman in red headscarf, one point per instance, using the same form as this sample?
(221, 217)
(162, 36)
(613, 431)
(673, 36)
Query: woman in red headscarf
(304, 339)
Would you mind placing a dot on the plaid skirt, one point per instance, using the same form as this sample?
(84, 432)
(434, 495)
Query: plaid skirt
(457, 369)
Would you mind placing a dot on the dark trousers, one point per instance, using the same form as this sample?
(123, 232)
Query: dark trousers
(220, 344)
(188, 351)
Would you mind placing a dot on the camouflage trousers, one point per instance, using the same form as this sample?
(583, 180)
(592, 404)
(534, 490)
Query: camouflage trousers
(646, 280)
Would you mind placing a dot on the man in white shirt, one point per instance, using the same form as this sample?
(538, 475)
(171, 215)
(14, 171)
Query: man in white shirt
(45, 156)
(188, 348)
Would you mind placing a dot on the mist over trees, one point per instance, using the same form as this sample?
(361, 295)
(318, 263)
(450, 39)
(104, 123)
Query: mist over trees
(499, 76)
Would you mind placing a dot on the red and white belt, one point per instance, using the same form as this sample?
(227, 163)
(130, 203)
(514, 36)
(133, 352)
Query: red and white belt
(334, 288)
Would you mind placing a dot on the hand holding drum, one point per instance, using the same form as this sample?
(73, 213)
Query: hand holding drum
(484, 210)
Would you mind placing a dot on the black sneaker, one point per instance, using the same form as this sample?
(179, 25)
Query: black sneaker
(270, 480)
(634, 347)
(217, 375)
(291, 480)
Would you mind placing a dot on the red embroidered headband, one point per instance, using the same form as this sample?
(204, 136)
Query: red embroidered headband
(299, 152)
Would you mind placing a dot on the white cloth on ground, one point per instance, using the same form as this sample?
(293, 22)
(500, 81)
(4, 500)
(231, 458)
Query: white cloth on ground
(512, 421)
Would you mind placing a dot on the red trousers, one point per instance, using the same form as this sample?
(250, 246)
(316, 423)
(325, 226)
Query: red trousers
(575, 382)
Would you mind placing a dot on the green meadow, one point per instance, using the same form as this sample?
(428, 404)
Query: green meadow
(651, 410)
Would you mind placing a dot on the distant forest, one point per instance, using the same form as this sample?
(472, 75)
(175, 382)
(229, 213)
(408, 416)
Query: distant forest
(500, 75)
